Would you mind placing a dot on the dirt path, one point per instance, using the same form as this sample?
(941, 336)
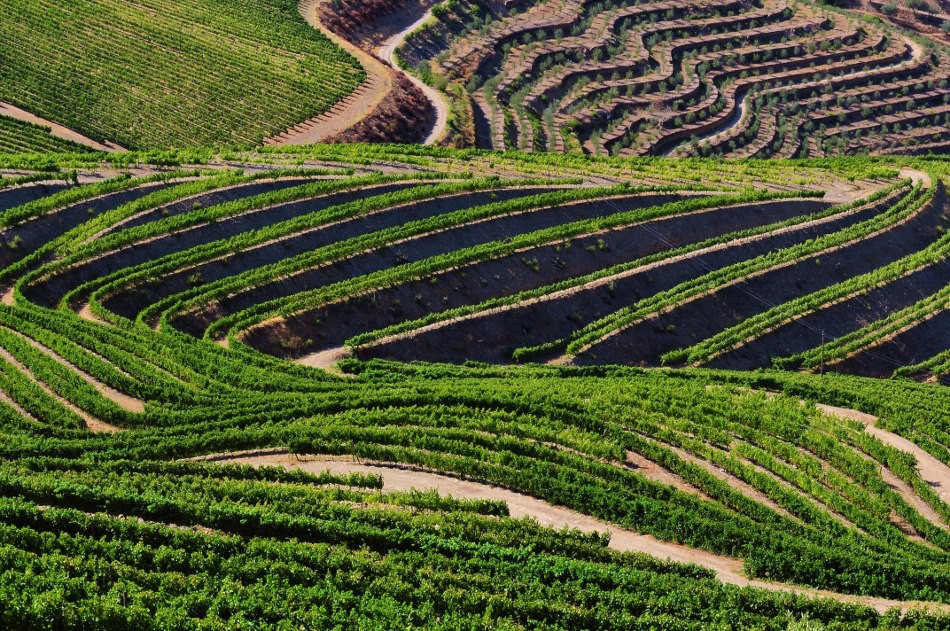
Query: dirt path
(353, 108)
(11, 111)
(917, 176)
(326, 360)
(655, 472)
(85, 312)
(932, 471)
(387, 52)
(119, 398)
(400, 478)
(92, 423)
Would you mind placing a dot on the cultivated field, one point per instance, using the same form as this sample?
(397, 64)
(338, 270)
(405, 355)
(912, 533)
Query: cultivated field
(159, 471)
(160, 73)
(613, 373)
(837, 266)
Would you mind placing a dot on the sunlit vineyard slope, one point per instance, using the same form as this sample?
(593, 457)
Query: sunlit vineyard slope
(164, 464)
(158, 73)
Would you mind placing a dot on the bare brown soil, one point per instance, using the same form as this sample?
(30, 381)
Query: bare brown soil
(388, 106)
(402, 478)
(387, 52)
(326, 360)
(926, 23)
(403, 115)
(370, 23)
(655, 472)
(352, 109)
(96, 426)
(85, 312)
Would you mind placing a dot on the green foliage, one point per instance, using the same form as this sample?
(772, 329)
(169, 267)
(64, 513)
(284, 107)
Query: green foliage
(19, 137)
(151, 522)
(160, 73)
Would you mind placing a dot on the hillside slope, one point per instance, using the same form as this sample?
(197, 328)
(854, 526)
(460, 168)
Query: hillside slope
(157, 73)
(746, 78)
(158, 471)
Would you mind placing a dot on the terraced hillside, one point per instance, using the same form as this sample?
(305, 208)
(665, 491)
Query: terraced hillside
(154, 476)
(735, 265)
(161, 73)
(743, 78)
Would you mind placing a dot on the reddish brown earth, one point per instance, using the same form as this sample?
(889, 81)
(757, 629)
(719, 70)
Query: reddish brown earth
(387, 107)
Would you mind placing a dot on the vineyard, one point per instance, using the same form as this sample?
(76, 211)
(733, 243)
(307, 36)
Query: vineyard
(743, 78)
(138, 73)
(204, 426)
(20, 137)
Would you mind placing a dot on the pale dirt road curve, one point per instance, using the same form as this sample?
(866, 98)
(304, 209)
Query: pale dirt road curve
(917, 176)
(387, 52)
(934, 472)
(353, 108)
(56, 129)
(364, 100)
(727, 570)
(85, 312)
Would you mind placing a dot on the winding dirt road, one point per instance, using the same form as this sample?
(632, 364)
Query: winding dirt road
(402, 478)
(353, 108)
(12, 111)
(387, 52)
(367, 97)
(934, 472)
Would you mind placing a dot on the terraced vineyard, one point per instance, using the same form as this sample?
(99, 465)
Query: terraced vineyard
(744, 78)
(160, 73)
(165, 466)
(641, 263)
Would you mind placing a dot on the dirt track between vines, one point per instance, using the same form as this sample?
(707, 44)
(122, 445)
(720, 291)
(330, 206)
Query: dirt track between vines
(353, 108)
(387, 52)
(398, 477)
(121, 399)
(932, 471)
(60, 131)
